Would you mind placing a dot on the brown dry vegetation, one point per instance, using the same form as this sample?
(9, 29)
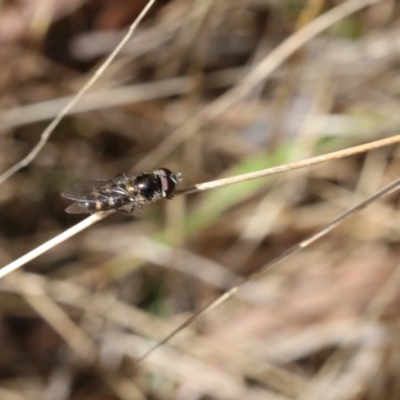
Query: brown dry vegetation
(324, 324)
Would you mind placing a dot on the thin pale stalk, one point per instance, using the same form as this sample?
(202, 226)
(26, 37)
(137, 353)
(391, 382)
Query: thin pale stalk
(394, 186)
(51, 243)
(200, 187)
(252, 80)
(49, 130)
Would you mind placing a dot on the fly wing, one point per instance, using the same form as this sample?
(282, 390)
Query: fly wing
(77, 208)
(84, 190)
(88, 189)
(111, 193)
(80, 208)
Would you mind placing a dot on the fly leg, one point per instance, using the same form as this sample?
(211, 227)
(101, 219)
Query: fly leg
(126, 208)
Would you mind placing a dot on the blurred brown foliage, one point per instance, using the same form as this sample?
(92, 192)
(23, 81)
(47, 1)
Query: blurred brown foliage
(323, 325)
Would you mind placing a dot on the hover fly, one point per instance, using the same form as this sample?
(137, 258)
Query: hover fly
(122, 193)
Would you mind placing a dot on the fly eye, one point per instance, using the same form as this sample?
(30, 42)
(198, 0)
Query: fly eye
(167, 186)
(168, 181)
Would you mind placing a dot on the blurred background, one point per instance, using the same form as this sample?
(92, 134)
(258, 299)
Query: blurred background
(324, 324)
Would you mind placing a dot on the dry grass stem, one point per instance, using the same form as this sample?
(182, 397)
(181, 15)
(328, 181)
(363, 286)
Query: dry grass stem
(394, 186)
(49, 130)
(135, 307)
(76, 339)
(30, 288)
(256, 76)
(292, 166)
(51, 243)
(200, 187)
(129, 317)
(98, 100)
(352, 349)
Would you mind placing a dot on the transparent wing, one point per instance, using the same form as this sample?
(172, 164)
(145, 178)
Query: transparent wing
(111, 193)
(87, 190)
(84, 190)
(80, 208)
(77, 208)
